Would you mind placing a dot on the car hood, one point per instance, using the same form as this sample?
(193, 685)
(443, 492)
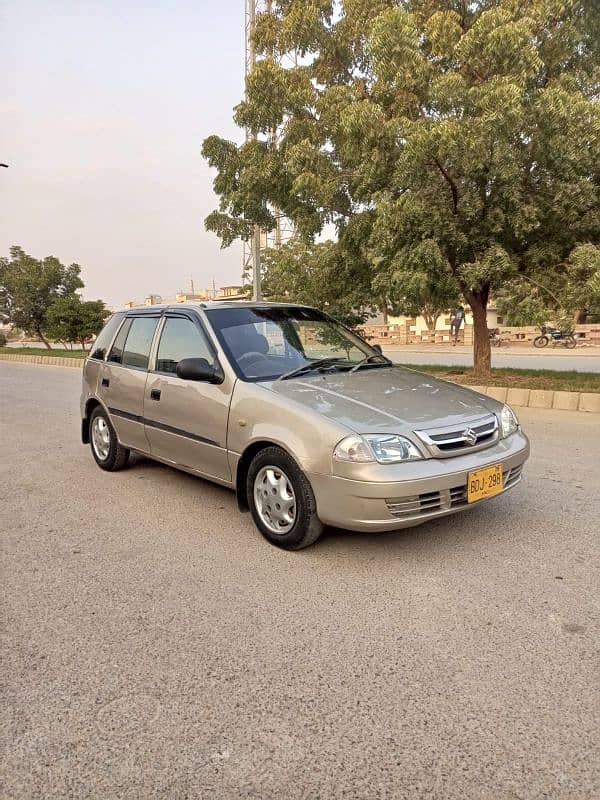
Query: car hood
(385, 399)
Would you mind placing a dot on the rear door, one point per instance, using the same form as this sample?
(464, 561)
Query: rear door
(186, 421)
(123, 380)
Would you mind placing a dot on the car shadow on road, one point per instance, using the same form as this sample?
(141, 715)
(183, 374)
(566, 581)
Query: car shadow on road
(456, 530)
(443, 534)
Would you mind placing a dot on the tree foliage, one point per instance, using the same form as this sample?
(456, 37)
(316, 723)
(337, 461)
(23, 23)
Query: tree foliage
(318, 274)
(472, 127)
(418, 282)
(564, 296)
(70, 319)
(29, 286)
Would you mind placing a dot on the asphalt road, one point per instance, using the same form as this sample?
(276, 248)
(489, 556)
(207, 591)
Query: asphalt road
(155, 646)
(583, 360)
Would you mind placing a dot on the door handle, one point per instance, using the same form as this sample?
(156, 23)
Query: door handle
(105, 382)
(155, 394)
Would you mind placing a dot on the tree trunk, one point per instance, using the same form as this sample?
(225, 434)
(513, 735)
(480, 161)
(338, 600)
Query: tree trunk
(384, 312)
(580, 316)
(43, 338)
(482, 352)
(430, 320)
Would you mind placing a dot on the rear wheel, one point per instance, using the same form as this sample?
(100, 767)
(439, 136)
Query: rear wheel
(106, 449)
(570, 342)
(281, 500)
(540, 341)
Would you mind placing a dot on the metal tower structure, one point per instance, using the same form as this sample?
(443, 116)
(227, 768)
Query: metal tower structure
(283, 228)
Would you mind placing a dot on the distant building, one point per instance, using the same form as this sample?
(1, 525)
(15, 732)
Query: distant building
(418, 324)
(187, 297)
(199, 296)
(232, 293)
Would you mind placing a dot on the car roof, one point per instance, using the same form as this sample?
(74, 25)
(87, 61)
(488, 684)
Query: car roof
(207, 306)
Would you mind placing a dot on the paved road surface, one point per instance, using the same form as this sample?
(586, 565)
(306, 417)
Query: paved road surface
(584, 359)
(156, 647)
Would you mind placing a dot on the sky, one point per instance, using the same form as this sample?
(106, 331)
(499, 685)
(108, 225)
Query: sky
(103, 108)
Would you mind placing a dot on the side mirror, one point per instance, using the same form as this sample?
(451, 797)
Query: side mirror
(198, 369)
(378, 348)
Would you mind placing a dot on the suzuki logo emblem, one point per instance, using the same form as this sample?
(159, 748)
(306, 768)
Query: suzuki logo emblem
(470, 436)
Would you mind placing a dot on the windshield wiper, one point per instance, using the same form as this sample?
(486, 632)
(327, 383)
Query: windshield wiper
(320, 362)
(369, 361)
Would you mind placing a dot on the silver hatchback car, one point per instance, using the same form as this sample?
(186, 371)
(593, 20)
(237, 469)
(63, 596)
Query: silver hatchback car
(308, 423)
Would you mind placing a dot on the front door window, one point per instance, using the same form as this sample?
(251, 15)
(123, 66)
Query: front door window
(180, 339)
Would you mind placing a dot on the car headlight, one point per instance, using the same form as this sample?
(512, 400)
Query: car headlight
(384, 448)
(508, 421)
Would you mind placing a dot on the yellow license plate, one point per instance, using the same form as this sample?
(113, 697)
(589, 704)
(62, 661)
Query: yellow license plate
(483, 483)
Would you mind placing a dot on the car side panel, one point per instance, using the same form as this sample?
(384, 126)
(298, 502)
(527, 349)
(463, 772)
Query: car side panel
(124, 400)
(258, 414)
(187, 426)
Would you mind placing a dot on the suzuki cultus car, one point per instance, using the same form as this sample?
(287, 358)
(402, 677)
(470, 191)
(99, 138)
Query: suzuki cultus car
(308, 423)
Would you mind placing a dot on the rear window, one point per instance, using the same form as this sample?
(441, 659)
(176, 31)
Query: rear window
(106, 336)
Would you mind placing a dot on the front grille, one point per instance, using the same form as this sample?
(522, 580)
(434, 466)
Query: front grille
(431, 503)
(455, 440)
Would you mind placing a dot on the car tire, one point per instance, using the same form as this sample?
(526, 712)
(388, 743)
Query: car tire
(108, 453)
(281, 500)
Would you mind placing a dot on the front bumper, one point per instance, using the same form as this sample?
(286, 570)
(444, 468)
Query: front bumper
(426, 489)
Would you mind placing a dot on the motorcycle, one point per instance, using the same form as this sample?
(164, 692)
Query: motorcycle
(555, 336)
(495, 337)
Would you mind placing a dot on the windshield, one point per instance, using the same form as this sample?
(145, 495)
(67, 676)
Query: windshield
(268, 343)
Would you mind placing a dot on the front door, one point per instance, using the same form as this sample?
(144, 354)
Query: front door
(186, 421)
(122, 380)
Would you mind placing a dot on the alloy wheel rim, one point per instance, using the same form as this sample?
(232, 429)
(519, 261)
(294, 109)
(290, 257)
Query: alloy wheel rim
(101, 438)
(275, 500)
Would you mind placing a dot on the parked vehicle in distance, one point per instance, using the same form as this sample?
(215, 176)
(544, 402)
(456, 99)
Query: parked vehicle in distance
(309, 424)
(566, 338)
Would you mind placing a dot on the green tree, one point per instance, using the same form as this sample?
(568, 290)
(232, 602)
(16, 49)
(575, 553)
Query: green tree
(317, 274)
(472, 125)
(70, 319)
(418, 282)
(563, 296)
(29, 286)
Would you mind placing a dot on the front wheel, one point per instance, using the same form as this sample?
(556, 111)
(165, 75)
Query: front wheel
(570, 342)
(540, 341)
(281, 500)
(106, 449)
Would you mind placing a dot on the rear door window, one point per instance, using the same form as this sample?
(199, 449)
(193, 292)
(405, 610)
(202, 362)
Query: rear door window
(116, 351)
(180, 338)
(136, 352)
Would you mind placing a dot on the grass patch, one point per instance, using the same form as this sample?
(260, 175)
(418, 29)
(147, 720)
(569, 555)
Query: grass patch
(553, 380)
(43, 351)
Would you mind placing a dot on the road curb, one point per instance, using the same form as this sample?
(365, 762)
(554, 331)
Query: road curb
(52, 361)
(587, 402)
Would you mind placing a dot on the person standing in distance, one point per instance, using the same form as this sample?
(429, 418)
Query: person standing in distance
(458, 317)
